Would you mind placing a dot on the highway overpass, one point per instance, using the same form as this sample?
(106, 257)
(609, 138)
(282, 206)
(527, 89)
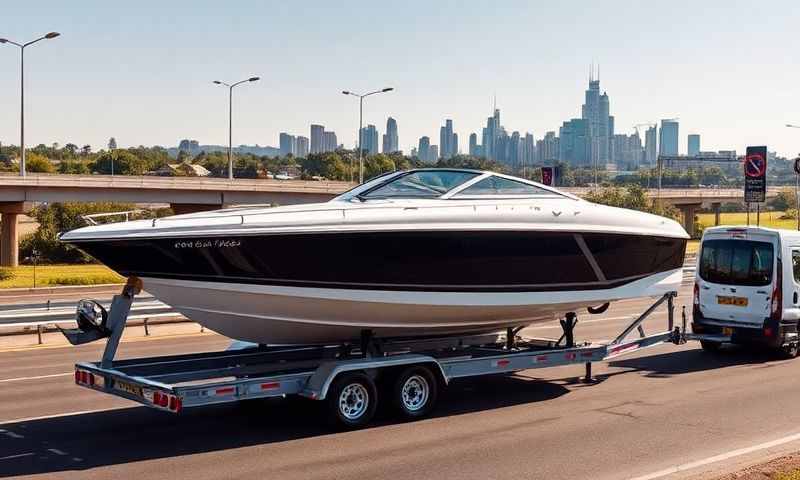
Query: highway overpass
(188, 194)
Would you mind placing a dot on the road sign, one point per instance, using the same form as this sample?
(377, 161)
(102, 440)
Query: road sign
(755, 175)
(548, 176)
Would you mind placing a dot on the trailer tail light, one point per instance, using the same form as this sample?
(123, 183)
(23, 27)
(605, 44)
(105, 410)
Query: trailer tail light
(696, 295)
(776, 306)
(83, 377)
(166, 401)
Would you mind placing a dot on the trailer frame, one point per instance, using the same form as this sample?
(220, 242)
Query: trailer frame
(247, 371)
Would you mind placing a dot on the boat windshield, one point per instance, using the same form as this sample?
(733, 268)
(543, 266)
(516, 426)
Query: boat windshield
(421, 184)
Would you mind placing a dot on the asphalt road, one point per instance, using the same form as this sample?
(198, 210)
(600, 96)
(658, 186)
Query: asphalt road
(659, 408)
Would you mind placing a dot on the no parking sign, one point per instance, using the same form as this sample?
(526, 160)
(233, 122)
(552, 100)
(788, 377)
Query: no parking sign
(755, 175)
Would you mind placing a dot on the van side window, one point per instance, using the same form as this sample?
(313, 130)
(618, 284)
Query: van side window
(796, 265)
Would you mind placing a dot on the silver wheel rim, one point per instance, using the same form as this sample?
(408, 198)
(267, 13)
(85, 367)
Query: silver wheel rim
(353, 401)
(415, 393)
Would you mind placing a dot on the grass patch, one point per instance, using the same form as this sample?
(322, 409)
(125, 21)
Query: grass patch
(692, 246)
(50, 275)
(795, 475)
(768, 219)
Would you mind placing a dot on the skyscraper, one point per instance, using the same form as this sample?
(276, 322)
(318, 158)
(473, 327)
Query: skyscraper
(473, 145)
(369, 137)
(528, 150)
(288, 144)
(424, 150)
(448, 141)
(390, 138)
(302, 146)
(650, 146)
(329, 142)
(433, 153)
(316, 138)
(668, 139)
(694, 145)
(596, 110)
(575, 143)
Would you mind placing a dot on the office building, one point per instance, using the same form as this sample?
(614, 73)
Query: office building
(288, 144)
(423, 150)
(651, 146)
(390, 139)
(369, 140)
(448, 141)
(668, 138)
(474, 148)
(316, 138)
(574, 143)
(693, 145)
(301, 146)
(329, 142)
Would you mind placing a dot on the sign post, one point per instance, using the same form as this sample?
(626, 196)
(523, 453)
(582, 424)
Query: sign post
(797, 190)
(548, 176)
(755, 178)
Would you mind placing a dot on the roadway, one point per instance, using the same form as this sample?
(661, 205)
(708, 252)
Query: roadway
(647, 412)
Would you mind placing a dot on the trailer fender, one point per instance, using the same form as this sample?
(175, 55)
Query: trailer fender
(319, 383)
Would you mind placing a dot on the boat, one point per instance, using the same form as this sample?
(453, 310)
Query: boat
(420, 252)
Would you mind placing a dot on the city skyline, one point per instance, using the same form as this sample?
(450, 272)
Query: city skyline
(134, 84)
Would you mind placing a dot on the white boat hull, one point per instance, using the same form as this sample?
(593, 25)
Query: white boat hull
(295, 315)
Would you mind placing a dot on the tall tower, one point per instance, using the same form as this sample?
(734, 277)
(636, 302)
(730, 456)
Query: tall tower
(390, 139)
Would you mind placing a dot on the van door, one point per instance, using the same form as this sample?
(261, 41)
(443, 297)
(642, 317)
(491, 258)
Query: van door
(792, 293)
(735, 278)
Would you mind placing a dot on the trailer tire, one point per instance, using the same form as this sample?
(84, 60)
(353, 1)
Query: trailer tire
(415, 392)
(790, 351)
(352, 401)
(709, 346)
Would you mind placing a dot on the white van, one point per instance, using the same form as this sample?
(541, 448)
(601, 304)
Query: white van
(746, 286)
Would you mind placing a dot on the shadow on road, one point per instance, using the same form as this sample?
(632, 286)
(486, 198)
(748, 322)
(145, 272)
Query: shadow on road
(136, 434)
(695, 360)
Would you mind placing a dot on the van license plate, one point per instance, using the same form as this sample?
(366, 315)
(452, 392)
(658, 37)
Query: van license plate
(735, 301)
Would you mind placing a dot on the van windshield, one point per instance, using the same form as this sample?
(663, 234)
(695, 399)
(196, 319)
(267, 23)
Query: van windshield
(736, 262)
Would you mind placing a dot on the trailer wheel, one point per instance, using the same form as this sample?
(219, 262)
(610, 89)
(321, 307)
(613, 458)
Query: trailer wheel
(415, 391)
(709, 346)
(352, 400)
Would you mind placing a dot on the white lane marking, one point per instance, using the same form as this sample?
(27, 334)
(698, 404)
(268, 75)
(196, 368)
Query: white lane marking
(59, 415)
(37, 377)
(11, 434)
(719, 458)
(18, 456)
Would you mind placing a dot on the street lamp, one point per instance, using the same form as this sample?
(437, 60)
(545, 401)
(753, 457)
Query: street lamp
(22, 93)
(796, 185)
(361, 125)
(230, 119)
(792, 126)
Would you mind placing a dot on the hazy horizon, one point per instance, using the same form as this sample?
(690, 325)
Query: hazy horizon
(142, 73)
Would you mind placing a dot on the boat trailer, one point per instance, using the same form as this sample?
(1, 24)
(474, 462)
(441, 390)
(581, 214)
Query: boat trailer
(409, 372)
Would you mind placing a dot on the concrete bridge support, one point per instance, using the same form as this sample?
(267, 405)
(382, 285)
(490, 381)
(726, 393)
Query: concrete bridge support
(9, 237)
(717, 208)
(689, 210)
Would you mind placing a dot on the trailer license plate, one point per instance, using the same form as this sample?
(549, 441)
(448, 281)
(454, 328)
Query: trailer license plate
(128, 388)
(735, 301)
(727, 331)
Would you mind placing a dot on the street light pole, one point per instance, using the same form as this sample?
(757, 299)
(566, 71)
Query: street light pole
(22, 93)
(230, 119)
(796, 185)
(361, 125)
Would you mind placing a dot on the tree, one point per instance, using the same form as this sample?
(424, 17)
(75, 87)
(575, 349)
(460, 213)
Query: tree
(124, 163)
(71, 148)
(86, 150)
(61, 217)
(112, 143)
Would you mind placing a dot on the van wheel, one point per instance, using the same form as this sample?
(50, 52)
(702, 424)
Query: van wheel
(709, 346)
(352, 401)
(414, 393)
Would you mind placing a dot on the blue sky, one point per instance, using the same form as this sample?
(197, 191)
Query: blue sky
(142, 71)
